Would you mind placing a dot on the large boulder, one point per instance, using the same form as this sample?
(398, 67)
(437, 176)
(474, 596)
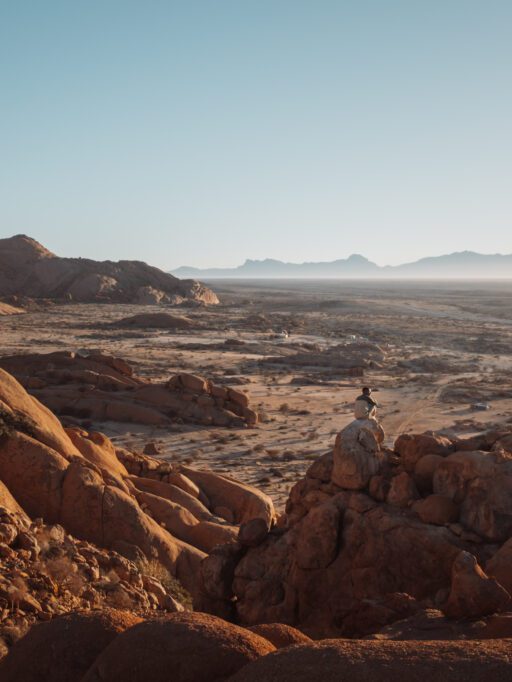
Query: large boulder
(412, 447)
(182, 647)
(19, 411)
(357, 456)
(438, 510)
(481, 483)
(363, 661)
(499, 566)
(473, 593)
(279, 634)
(244, 501)
(63, 649)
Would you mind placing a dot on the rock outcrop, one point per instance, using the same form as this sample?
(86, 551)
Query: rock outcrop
(28, 269)
(335, 660)
(98, 387)
(360, 547)
(64, 648)
(190, 647)
(67, 495)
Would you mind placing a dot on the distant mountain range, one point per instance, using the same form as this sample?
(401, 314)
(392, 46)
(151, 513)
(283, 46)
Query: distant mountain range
(460, 265)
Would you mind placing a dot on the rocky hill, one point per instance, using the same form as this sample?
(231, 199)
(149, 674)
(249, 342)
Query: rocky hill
(99, 387)
(28, 269)
(373, 536)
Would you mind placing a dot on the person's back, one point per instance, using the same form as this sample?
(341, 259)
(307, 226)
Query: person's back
(365, 407)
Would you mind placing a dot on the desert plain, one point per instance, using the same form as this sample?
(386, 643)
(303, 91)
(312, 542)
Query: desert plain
(438, 355)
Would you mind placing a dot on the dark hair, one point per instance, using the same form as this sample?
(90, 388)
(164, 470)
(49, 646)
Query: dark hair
(366, 389)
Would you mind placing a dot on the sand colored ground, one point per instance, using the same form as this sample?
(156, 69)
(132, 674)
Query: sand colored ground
(445, 347)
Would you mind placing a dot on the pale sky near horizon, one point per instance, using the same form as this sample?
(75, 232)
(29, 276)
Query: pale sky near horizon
(205, 132)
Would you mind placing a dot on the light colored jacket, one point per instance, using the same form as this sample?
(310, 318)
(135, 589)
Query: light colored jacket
(363, 410)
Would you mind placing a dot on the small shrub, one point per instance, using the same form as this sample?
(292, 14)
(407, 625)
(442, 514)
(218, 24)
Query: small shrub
(172, 585)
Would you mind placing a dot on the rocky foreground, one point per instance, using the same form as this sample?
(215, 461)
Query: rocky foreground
(373, 536)
(29, 270)
(104, 552)
(99, 387)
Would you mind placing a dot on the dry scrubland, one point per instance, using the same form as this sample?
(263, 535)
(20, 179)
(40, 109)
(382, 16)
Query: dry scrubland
(431, 349)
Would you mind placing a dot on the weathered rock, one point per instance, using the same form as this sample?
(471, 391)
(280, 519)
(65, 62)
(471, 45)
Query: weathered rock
(500, 566)
(245, 501)
(28, 269)
(218, 571)
(362, 661)
(183, 525)
(317, 543)
(412, 448)
(174, 494)
(31, 418)
(402, 491)
(98, 449)
(424, 472)
(63, 649)
(191, 646)
(321, 468)
(253, 532)
(379, 487)
(437, 509)
(481, 482)
(348, 564)
(357, 455)
(280, 635)
(473, 593)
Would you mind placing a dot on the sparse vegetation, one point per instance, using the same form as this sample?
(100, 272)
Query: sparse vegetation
(172, 585)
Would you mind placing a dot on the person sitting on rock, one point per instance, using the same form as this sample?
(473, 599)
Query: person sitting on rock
(365, 407)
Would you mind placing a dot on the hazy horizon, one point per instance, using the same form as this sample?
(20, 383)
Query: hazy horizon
(203, 134)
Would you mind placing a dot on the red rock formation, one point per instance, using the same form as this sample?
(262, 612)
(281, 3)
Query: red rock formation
(28, 269)
(101, 387)
(183, 648)
(63, 649)
(366, 661)
(129, 503)
(359, 550)
(279, 634)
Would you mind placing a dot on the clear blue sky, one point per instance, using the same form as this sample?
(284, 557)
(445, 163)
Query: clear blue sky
(203, 132)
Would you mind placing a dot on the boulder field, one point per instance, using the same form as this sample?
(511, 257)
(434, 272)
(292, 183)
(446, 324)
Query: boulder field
(74, 506)
(372, 536)
(99, 387)
(197, 647)
(99, 546)
(28, 269)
